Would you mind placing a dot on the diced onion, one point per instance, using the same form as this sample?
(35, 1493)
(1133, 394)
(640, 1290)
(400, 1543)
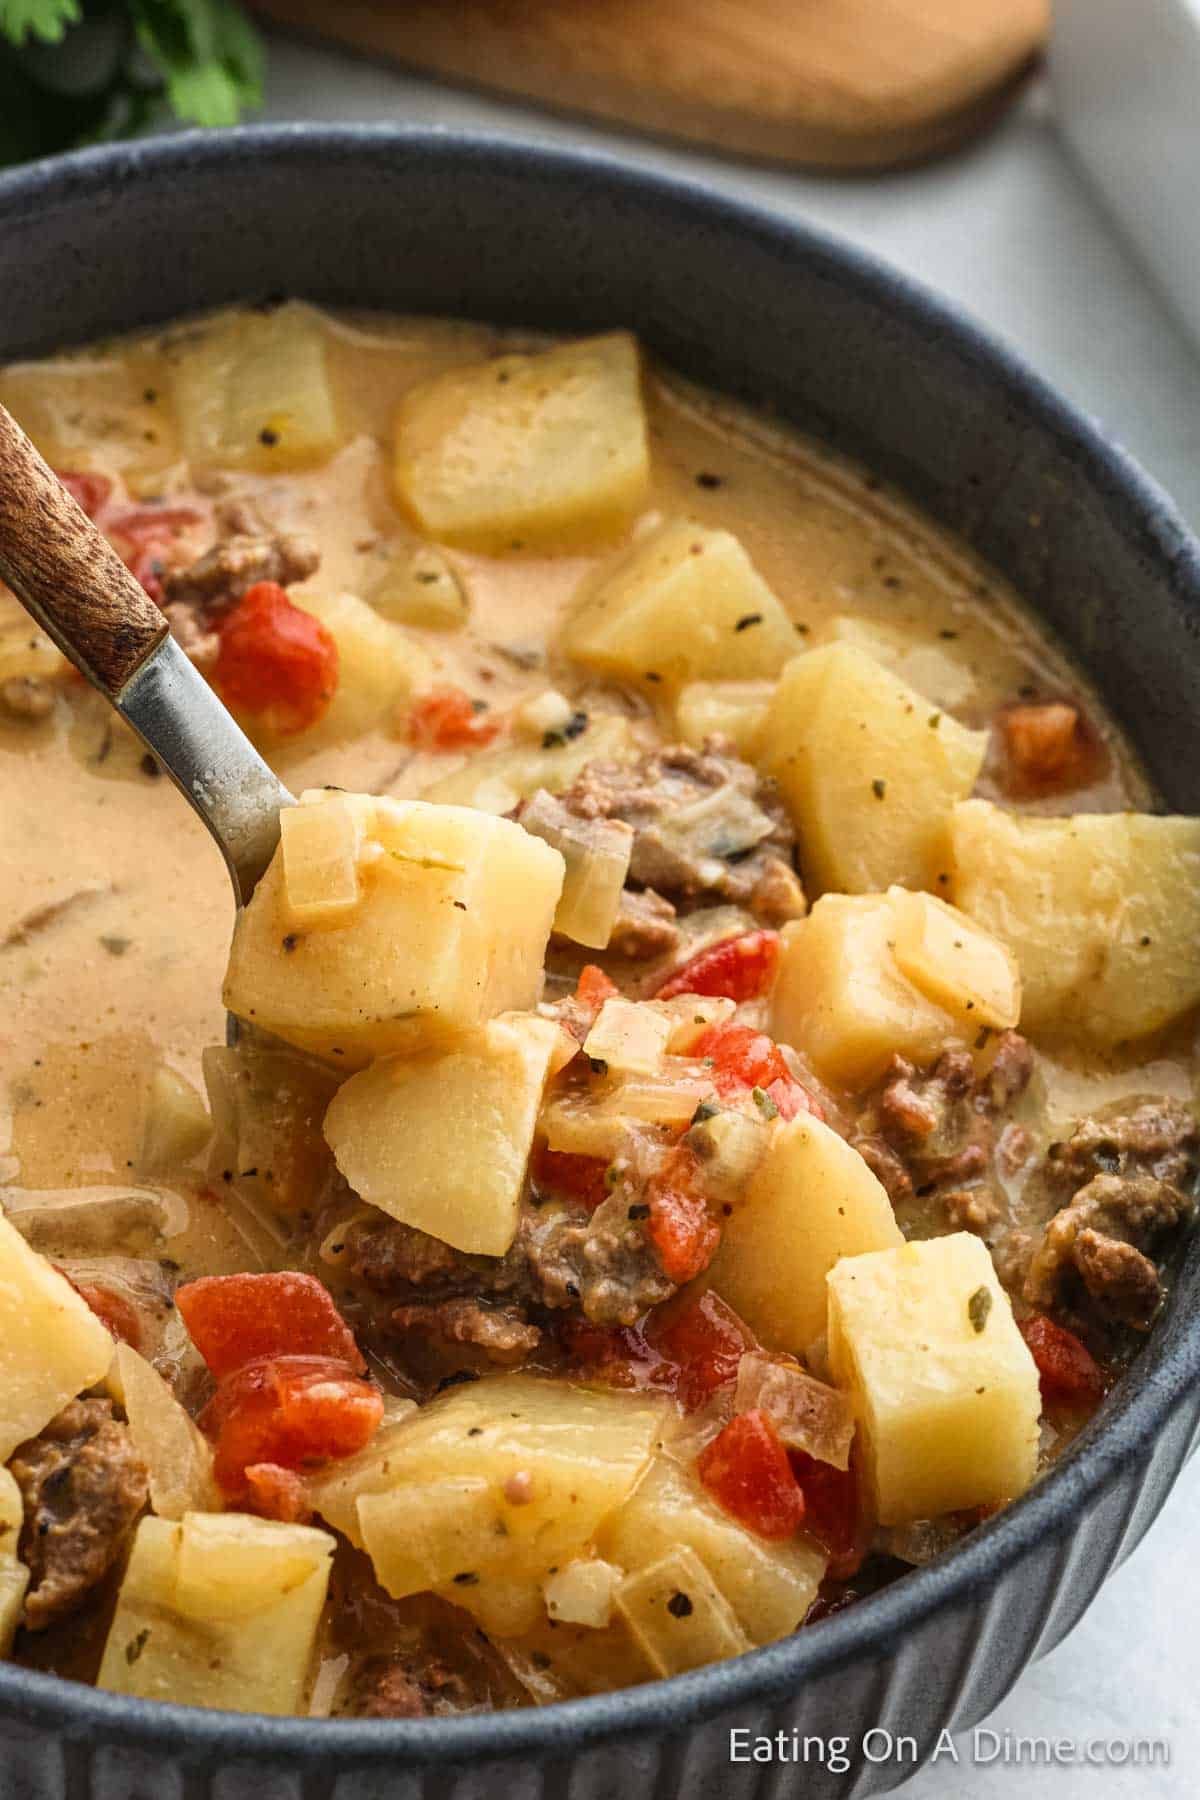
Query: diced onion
(547, 711)
(134, 1221)
(807, 1414)
(582, 1593)
(596, 853)
(730, 1145)
(691, 1015)
(595, 1124)
(629, 1039)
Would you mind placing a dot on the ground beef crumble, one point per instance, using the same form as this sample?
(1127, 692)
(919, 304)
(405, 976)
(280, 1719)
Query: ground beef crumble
(940, 1132)
(708, 828)
(600, 1264)
(499, 1331)
(246, 551)
(563, 1258)
(83, 1486)
(1131, 1177)
(410, 1688)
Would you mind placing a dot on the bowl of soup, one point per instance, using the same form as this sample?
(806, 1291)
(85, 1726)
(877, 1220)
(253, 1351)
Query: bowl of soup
(685, 1235)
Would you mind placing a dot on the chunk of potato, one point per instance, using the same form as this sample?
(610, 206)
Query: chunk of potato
(27, 653)
(176, 1453)
(494, 780)
(1102, 911)
(869, 771)
(971, 975)
(677, 1614)
(420, 1537)
(938, 671)
(811, 1200)
(682, 604)
(52, 1345)
(441, 1142)
(67, 404)
(421, 587)
(335, 1488)
(556, 1459)
(548, 446)
(769, 1583)
(732, 709)
(14, 1581)
(380, 667)
(253, 390)
(868, 975)
(451, 928)
(944, 1388)
(14, 1576)
(219, 1610)
(232, 1566)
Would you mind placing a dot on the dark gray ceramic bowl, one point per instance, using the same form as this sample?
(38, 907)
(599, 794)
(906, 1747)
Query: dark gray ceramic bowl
(426, 221)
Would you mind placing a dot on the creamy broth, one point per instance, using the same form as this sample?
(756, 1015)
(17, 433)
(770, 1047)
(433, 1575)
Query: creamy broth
(115, 908)
(827, 538)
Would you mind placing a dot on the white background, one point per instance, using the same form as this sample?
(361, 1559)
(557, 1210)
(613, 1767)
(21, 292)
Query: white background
(1011, 230)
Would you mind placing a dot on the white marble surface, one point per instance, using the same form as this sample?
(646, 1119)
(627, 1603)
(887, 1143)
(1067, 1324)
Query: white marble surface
(1012, 232)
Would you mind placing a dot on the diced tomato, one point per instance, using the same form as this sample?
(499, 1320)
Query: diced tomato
(446, 718)
(618, 1354)
(142, 525)
(595, 987)
(831, 1511)
(89, 492)
(706, 1341)
(691, 1354)
(1048, 747)
(147, 567)
(791, 1098)
(1067, 1368)
(583, 1177)
(743, 1059)
(293, 1411)
(739, 968)
(145, 536)
(113, 1310)
(679, 1227)
(238, 1319)
(747, 1472)
(276, 1493)
(276, 661)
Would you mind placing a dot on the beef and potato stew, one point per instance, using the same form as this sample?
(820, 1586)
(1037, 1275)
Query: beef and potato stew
(710, 1108)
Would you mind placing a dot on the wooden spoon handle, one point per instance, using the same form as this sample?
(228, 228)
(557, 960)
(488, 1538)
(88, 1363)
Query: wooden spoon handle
(67, 574)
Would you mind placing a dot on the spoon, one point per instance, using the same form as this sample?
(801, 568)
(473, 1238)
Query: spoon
(75, 585)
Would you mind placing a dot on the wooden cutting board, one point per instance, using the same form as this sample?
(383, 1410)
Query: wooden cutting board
(832, 83)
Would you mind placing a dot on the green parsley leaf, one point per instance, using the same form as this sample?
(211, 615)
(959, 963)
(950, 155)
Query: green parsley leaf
(124, 64)
(209, 55)
(44, 19)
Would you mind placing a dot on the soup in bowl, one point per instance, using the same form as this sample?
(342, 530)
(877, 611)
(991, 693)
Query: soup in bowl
(709, 1114)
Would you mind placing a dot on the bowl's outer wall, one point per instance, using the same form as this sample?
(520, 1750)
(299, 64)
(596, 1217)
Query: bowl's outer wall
(432, 223)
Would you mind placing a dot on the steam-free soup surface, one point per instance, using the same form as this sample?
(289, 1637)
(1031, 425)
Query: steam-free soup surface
(1054, 1137)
